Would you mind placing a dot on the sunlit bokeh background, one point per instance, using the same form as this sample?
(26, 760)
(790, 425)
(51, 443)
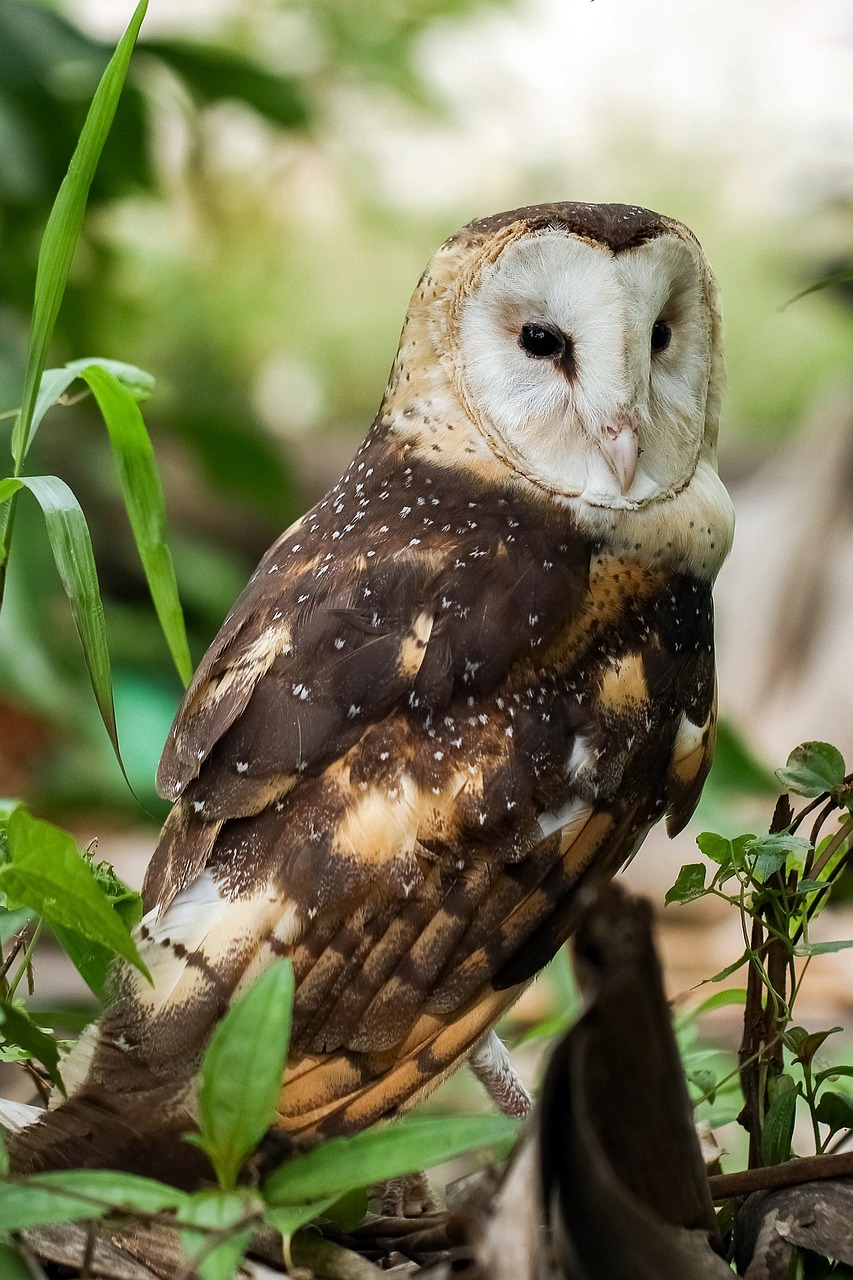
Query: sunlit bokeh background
(278, 174)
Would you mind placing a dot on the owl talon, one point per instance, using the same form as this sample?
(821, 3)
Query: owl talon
(410, 1196)
(493, 1067)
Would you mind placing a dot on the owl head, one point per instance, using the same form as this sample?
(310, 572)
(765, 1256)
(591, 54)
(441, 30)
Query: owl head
(576, 344)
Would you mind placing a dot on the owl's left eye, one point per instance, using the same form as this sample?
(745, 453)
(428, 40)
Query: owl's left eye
(541, 341)
(661, 335)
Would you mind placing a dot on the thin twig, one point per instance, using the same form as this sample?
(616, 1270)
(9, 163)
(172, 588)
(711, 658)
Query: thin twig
(843, 832)
(727, 1186)
(17, 943)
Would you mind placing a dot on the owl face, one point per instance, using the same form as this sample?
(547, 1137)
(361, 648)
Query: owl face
(586, 369)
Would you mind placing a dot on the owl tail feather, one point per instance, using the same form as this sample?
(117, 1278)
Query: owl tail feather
(335, 1094)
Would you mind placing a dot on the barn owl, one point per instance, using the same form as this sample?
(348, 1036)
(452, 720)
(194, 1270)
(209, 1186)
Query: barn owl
(459, 690)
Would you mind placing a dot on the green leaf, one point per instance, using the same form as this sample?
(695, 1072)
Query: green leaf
(4, 1156)
(768, 854)
(342, 1164)
(832, 1072)
(55, 382)
(706, 1082)
(730, 854)
(48, 1198)
(778, 1128)
(835, 1110)
(18, 1028)
(689, 885)
(349, 1211)
(93, 961)
(71, 545)
(841, 276)
(812, 769)
(729, 969)
(219, 1210)
(805, 887)
(822, 948)
(12, 1265)
(46, 872)
(805, 1044)
(287, 1219)
(719, 1000)
(241, 1075)
(214, 74)
(143, 498)
(117, 1190)
(63, 228)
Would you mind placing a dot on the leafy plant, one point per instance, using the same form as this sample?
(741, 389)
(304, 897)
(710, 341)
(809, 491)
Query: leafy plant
(249, 1045)
(43, 876)
(779, 883)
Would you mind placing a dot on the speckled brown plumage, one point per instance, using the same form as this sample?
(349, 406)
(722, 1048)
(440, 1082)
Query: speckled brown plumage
(440, 706)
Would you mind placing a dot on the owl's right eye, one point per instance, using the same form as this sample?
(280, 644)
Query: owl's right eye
(541, 341)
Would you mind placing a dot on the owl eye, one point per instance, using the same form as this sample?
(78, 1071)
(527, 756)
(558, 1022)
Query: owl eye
(541, 341)
(661, 335)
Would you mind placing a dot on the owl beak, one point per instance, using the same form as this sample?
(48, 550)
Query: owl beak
(619, 443)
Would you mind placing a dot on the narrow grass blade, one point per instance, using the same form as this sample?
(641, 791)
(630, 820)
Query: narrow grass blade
(71, 545)
(55, 382)
(63, 228)
(143, 498)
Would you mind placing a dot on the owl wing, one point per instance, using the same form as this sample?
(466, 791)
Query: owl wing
(318, 649)
(432, 859)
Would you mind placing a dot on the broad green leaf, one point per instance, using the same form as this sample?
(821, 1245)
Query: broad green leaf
(689, 885)
(287, 1219)
(63, 228)
(92, 960)
(25, 1204)
(46, 872)
(71, 545)
(805, 1044)
(4, 1156)
(349, 1211)
(822, 948)
(805, 887)
(835, 1110)
(729, 854)
(768, 854)
(778, 1127)
(18, 1028)
(844, 1070)
(342, 1164)
(812, 769)
(12, 1265)
(114, 1189)
(220, 1210)
(143, 498)
(241, 1075)
(48, 1198)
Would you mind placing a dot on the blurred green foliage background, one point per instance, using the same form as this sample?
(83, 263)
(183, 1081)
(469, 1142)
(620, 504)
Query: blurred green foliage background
(246, 243)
